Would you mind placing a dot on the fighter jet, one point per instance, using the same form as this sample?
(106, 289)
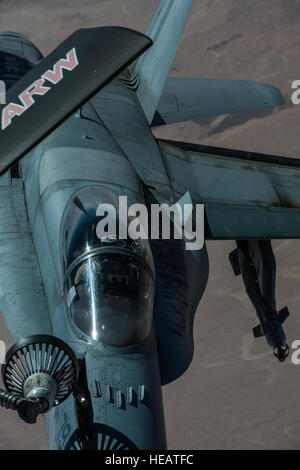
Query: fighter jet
(102, 323)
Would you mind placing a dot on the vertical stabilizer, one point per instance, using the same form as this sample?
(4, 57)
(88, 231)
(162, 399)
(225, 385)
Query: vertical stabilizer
(165, 30)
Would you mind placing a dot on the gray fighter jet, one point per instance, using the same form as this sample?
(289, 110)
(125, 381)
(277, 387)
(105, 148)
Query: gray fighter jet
(102, 323)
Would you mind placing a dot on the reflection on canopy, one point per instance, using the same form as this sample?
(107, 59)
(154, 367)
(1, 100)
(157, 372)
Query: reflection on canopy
(109, 284)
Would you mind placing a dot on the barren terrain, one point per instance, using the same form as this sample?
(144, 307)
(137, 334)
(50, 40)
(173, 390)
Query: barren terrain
(235, 395)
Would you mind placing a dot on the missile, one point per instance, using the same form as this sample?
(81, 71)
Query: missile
(270, 326)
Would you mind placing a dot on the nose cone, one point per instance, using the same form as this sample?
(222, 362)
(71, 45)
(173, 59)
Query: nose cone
(19, 45)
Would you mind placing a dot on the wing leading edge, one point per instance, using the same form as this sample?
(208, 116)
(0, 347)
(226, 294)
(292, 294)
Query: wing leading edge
(246, 195)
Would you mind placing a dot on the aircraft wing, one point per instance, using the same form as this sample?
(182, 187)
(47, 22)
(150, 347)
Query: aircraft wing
(185, 99)
(246, 195)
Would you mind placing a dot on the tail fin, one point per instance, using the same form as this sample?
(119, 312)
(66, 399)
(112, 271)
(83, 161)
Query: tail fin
(165, 30)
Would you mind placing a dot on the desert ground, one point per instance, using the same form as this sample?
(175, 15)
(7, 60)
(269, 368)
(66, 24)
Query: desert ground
(235, 395)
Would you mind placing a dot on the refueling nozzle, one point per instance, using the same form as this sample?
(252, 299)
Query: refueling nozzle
(39, 373)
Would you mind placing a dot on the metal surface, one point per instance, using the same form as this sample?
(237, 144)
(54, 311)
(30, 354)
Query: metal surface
(36, 355)
(41, 385)
(165, 29)
(91, 72)
(22, 294)
(185, 99)
(263, 202)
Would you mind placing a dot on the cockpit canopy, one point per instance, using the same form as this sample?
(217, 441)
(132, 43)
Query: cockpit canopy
(109, 283)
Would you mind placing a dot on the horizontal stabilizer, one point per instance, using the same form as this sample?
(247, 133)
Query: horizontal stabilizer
(62, 82)
(185, 99)
(283, 314)
(258, 331)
